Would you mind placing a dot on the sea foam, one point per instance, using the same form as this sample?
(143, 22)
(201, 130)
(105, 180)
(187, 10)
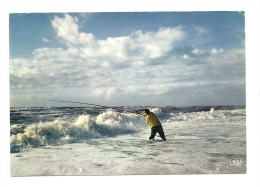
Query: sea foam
(81, 129)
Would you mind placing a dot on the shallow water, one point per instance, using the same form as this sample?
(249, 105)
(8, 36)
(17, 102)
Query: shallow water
(112, 143)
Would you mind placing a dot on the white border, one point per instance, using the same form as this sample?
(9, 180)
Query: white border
(252, 77)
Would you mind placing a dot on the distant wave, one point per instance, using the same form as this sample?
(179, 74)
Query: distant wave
(195, 114)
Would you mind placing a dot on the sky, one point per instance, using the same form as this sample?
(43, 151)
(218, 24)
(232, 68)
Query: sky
(176, 58)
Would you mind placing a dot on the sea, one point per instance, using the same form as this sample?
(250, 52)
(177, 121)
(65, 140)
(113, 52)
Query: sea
(33, 127)
(114, 141)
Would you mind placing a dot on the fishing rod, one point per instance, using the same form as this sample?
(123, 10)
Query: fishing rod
(116, 108)
(81, 103)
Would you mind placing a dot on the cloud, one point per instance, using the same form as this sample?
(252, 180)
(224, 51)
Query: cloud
(151, 45)
(200, 30)
(195, 51)
(68, 30)
(154, 45)
(106, 93)
(45, 40)
(143, 67)
(185, 56)
(215, 51)
(86, 15)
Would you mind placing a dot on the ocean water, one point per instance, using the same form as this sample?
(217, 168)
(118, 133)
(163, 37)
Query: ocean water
(34, 127)
(200, 139)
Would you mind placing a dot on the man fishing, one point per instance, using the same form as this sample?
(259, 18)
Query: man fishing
(151, 119)
(154, 123)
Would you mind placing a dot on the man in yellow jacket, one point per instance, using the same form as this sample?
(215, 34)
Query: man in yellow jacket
(154, 123)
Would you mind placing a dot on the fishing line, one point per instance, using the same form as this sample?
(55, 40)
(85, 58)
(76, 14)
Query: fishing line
(82, 103)
(116, 108)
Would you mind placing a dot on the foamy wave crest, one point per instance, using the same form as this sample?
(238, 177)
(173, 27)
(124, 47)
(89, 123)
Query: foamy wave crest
(160, 114)
(118, 123)
(157, 111)
(212, 114)
(81, 129)
(54, 133)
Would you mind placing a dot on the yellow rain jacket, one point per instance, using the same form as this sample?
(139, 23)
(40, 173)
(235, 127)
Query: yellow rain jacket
(152, 120)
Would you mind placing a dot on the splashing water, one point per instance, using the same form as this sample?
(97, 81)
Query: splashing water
(81, 129)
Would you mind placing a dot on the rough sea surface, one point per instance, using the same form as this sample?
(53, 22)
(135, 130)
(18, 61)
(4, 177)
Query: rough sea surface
(114, 141)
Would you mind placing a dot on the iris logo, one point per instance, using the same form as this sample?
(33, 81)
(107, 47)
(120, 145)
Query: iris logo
(235, 162)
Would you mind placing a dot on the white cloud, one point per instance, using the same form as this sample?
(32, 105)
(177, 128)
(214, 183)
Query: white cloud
(150, 45)
(185, 56)
(156, 44)
(195, 51)
(159, 89)
(215, 51)
(141, 64)
(113, 48)
(200, 30)
(45, 40)
(68, 30)
(85, 15)
(67, 67)
(106, 93)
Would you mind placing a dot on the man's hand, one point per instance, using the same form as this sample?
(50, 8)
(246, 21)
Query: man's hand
(140, 112)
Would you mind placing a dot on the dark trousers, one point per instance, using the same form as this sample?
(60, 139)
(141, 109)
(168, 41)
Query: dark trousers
(158, 129)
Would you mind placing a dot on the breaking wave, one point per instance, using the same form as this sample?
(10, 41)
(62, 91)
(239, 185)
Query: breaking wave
(83, 128)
